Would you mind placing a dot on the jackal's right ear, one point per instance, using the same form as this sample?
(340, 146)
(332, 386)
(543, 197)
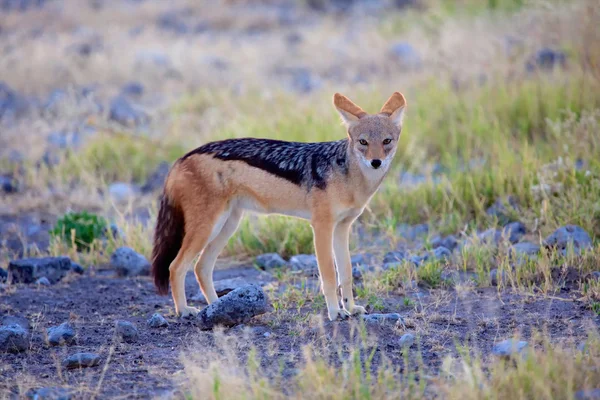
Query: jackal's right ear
(349, 111)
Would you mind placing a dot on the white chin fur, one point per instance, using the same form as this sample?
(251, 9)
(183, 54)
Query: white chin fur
(368, 168)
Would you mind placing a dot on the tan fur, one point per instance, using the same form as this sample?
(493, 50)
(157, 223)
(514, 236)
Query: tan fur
(214, 193)
(395, 101)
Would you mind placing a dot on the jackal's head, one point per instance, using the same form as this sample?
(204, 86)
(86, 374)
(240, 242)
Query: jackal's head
(373, 137)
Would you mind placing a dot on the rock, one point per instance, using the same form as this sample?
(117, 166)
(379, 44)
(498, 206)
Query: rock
(78, 269)
(154, 58)
(14, 320)
(81, 360)
(394, 257)
(361, 259)
(448, 242)
(494, 277)
(356, 273)
(124, 113)
(407, 340)
(157, 321)
(270, 261)
(224, 286)
(65, 140)
(570, 235)
(391, 318)
(3, 275)
(11, 104)
(589, 394)
(21, 5)
(13, 339)
(8, 184)
(503, 209)
(526, 248)
(28, 270)
(236, 307)
(127, 262)
(405, 54)
(121, 192)
(300, 79)
(43, 281)
(439, 253)
(547, 59)
(133, 89)
(305, 262)
(156, 180)
(49, 393)
(61, 334)
(514, 231)
(509, 348)
(126, 331)
(171, 22)
(412, 232)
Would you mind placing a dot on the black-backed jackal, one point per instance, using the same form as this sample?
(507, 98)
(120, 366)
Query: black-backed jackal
(327, 183)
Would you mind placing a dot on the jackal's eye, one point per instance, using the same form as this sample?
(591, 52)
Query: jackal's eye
(363, 142)
(387, 141)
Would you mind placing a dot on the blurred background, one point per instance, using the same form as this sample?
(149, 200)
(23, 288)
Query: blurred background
(98, 97)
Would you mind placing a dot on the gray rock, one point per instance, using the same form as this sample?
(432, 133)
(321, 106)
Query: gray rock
(395, 257)
(305, 262)
(405, 54)
(391, 318)
(157, 321)
(589, 394)
(495, 280)
(503, 210)
(448, 242)
(566, 236)
(301, 79)
(127, 262)
(361, 259)
(78, 269)
(156, 180)
(224, 286)
(49, 393)
(153, 58)
(547, 59)
(8, 184)
(126, 331)
(81, 360)
(357, 273)
(509, 348)
(11, 104)
(14, 320)
(21, 5)
(43, 281)
(133, 89)
(61, 334)
(65, 140)
(439, 253)
(525, 248)
(28, 270)
(412, 232)
(173, 23)
(3, 275)
(124, 113)
(13, 339)
(121, 192)
(270, 261)
(236, 307)
(514, 231)
(407, 340)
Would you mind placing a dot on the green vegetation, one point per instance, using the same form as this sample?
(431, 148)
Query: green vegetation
(81, 229)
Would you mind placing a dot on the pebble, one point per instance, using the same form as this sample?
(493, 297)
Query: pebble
(508, 348)
(407, 340)
(126, 331)
(157, 321)
(81, 360)
(61, 334)
(43, 281)
(270, 261)
(391, 318)
(128, 262)
(13, 339)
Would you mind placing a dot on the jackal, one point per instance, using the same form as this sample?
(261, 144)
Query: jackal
(328, 183)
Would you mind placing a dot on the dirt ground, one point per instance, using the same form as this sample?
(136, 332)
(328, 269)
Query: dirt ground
(150, 367)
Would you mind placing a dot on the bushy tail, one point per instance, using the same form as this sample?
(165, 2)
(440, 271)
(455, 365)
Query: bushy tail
(168, 237)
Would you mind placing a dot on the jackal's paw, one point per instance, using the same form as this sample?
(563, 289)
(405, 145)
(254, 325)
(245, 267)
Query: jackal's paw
(188, 312)
(338, 314)
(354, 310)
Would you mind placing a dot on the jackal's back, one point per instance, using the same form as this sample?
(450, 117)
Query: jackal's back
(304, 164)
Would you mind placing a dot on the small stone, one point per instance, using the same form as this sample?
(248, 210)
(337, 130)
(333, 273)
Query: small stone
(127, 262)
(509, 348)
(8, 184)
(440, 253)
(121, 192)
(547, 59)
(405, 54)
(61, 334)
(49, 393)
(134, 89)
(81, 360)
(13, 339)
(356, 273)
(3, 275)
(270, 261)
(43, 281)
(514, 231)
(126, 331)
(124, 113)
(448, 242)
(157, 178)
(525, 248)
(503, 210)
(157, 321)
(14, 320)
(391, 318)
(569, 235)
(267, 334)
(28, 270)
(494, 277)
(78, 269)
(305, 262)
(407, 340)
(361, 259)
(412, 232)
(236, 307)
(394, 257)
(589, 394)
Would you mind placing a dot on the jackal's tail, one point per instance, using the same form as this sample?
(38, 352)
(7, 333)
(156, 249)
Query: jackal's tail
(168, 237)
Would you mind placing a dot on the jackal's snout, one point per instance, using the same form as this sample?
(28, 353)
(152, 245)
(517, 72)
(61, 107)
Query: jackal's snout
(376, 163)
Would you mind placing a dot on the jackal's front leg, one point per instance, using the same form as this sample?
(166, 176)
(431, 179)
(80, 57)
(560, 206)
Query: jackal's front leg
(341, 250)
(323, 237)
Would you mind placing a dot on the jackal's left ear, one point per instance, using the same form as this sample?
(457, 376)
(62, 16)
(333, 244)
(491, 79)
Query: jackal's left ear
(394, 108)
(349, 111)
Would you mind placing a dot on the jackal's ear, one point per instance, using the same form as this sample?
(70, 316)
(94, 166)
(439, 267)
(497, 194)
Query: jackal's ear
(394, 108)
(349, 111)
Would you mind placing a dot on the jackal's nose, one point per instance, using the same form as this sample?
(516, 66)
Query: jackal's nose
(375, 163)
